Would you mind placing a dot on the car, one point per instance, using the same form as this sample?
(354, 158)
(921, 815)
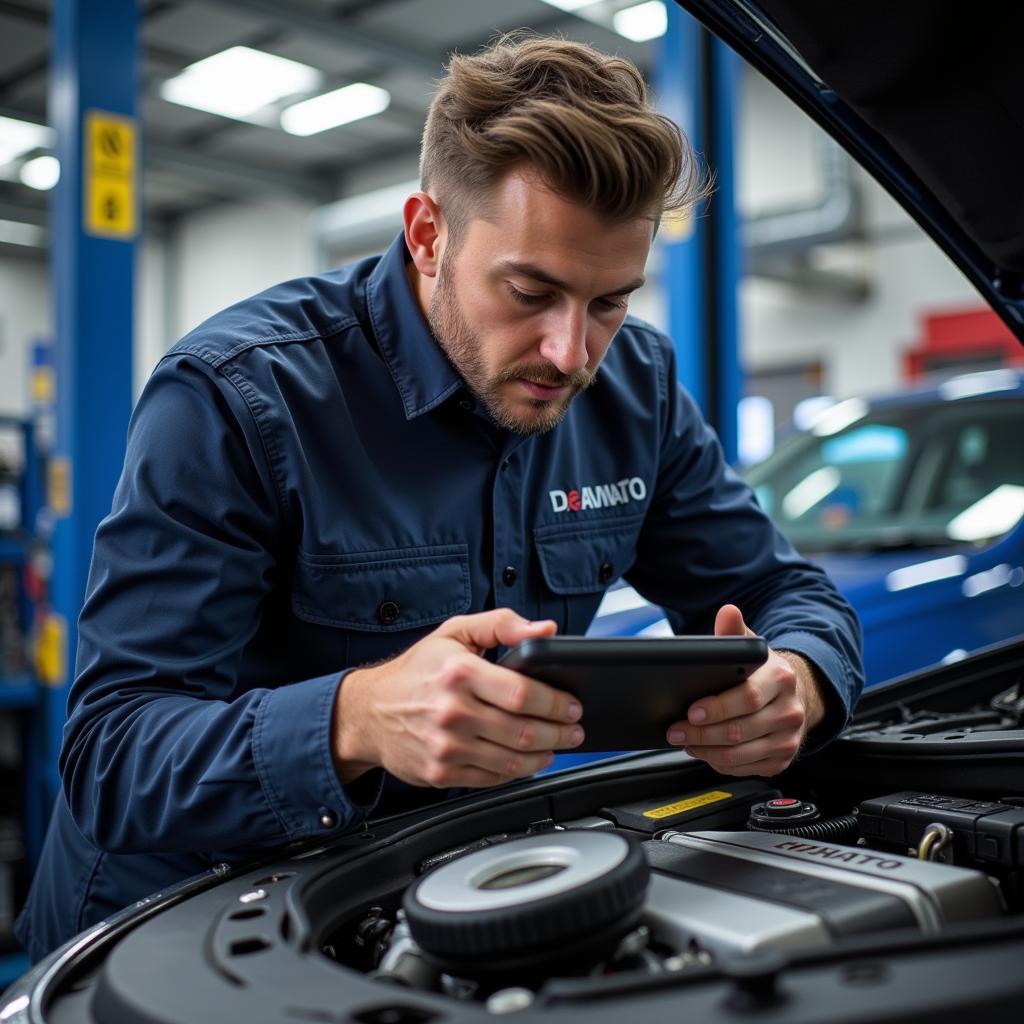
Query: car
(914, 505)
(878, 880)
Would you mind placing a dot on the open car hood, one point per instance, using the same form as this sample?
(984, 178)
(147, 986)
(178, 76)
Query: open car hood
(934, 113)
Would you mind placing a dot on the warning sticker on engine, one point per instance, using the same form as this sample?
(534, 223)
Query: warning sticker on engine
(690, 804)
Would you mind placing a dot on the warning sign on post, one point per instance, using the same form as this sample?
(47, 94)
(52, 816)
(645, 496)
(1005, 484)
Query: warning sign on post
(110, 174)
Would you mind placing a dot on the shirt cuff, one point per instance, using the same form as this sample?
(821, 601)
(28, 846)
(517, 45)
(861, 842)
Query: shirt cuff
(837, 693)
(291, 747)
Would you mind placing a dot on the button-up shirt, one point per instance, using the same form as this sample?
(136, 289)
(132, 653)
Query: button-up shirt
(309, 486)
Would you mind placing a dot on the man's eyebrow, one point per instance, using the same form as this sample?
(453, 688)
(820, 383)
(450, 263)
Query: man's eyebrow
(538, 274)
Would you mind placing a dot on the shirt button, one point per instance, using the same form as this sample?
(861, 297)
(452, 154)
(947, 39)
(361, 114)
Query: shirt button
(387, 612)
(327, 817)
(509, 575)
(466, 403)
(604, 574)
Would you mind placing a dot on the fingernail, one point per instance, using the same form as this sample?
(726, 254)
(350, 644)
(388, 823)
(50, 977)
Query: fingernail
(538, 623)
(576, 737)
(575, 712)
(677, 737)
(697, 715)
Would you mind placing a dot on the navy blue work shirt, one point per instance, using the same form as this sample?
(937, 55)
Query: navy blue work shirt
(309, 486)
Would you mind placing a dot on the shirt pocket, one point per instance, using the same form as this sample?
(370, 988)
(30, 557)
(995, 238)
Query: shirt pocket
(578, 561)
(381, 599)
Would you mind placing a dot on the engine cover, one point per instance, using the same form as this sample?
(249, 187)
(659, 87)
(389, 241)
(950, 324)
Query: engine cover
(730, 892)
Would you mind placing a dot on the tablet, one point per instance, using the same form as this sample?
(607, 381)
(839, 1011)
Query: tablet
(633, 688)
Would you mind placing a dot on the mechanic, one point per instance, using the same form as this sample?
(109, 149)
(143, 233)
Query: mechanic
(342, 496)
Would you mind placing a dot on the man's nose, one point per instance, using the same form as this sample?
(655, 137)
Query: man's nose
(565, 341)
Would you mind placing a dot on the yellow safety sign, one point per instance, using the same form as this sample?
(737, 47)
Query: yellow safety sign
(51, 645)
(58, 486)
(671, 810)
(109, 159)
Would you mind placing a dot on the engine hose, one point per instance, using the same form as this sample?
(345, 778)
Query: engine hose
(843, 828)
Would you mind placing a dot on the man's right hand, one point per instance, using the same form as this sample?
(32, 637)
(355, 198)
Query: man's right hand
(440, 715)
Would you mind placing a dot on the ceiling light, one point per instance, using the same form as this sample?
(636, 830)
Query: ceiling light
(569, 5)
(239, 81)
(642, 22)
(341, 106)
(42, 173)
(16, 232)
(17, 137)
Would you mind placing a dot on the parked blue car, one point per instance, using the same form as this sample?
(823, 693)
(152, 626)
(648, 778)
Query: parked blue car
(914, 505)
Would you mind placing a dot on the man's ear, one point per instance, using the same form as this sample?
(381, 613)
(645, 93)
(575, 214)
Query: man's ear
(425, 232)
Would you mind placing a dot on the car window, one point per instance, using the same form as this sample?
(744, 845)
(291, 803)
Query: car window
(917, 475)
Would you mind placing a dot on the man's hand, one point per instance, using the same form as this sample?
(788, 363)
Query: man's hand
(440, 715)
(755, 728)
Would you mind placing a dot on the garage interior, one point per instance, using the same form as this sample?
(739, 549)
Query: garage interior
(217, 182)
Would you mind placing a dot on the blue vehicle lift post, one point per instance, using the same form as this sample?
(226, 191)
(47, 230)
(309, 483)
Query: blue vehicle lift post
(697, 84)
(95, 222)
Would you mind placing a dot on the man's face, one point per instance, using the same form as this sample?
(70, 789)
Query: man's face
(528, 304)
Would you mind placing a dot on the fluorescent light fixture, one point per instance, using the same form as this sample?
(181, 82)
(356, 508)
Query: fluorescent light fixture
(642, 22)
(991, 516)
(926, 572)
(15, 232)
(43, 172)
(811, 490)
(350, 103)
(569, 5)
(17, 137)
(838, 416)
(239, 81)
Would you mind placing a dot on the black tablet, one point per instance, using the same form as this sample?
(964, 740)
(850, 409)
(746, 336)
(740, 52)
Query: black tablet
(633, 688)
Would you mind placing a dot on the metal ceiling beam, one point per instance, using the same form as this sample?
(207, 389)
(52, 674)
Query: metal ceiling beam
(228, 174)
(314, 22)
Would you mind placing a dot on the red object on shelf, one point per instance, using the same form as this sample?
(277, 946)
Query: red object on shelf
(961, 338)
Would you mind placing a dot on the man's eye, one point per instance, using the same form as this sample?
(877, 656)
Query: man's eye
(613, 303)
(525, 297)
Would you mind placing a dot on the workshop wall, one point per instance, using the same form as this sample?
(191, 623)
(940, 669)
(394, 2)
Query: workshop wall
(24, 315)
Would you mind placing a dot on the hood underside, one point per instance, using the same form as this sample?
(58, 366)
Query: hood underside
(927, 94)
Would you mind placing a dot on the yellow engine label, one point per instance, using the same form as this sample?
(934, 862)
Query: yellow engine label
(690, 804)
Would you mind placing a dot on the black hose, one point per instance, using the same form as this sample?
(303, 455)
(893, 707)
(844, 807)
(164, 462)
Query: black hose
(841, 829)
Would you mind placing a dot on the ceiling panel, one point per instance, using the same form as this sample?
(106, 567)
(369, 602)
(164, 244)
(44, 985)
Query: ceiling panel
(199, 29)
(281, 150)
(443, 25)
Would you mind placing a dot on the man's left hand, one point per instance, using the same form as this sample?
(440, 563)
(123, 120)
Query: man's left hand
(757, 727)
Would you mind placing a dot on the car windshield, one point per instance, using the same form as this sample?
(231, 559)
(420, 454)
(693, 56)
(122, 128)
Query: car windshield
(933, 473)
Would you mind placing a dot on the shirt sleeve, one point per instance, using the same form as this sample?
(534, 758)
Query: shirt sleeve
(706, 542)
(165, 747)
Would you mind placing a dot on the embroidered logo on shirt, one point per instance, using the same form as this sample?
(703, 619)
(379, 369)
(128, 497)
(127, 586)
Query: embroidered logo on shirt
(599, 495)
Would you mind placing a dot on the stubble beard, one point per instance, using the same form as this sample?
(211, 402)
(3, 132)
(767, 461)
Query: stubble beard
(463, 347)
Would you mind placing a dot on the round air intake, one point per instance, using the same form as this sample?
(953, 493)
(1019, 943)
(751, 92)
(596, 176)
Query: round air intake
(561, 896)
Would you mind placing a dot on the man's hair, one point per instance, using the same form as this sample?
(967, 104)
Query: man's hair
(578, 118)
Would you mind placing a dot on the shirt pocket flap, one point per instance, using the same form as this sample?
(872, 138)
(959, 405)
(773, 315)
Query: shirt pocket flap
(584, 559)
(383, 591)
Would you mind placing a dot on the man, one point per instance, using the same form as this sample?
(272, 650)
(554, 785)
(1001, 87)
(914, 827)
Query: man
(341, 497)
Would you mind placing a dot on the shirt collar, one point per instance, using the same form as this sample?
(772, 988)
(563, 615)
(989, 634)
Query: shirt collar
(419, 367)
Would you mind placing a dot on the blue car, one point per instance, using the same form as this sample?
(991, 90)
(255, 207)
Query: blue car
(914, 505)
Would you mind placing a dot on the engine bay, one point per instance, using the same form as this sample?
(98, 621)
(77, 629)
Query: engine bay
(878, 880)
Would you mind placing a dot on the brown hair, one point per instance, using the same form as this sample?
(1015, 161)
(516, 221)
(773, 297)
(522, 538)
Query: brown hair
(580, 118)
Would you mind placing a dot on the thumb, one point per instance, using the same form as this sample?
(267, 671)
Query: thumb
(729, 622)
(489, 629)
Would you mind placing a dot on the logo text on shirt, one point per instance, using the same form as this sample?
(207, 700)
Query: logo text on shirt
(598, 495)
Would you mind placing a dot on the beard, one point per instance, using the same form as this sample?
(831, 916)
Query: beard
(464, 349)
